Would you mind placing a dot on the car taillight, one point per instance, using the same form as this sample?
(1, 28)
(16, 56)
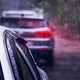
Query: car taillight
(46, 33)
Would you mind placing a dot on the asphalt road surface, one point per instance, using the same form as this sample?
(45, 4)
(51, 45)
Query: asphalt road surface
(67, 61)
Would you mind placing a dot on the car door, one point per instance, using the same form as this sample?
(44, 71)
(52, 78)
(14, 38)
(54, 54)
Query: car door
(22, 64)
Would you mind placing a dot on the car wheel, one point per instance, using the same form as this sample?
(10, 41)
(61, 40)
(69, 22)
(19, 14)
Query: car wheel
(50, 58)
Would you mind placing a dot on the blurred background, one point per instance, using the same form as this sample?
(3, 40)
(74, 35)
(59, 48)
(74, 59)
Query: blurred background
(64, 17)
(63, 13)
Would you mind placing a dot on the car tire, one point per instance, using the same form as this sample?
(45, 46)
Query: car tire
(50, 59)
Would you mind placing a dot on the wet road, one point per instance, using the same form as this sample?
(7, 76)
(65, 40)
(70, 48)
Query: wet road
(66, 67)
(67, 61)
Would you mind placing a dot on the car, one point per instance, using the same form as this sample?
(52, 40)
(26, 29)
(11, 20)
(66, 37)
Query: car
(16, 61)
(34, 28)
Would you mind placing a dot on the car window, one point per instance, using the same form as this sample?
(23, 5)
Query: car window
(1, 73)
(23, 23)
(23, 48)
(23, 70)
(20, 69)
(31, 23)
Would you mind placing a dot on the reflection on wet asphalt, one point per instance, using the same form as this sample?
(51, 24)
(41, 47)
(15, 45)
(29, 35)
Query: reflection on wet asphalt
(67, 60)
(66, 67)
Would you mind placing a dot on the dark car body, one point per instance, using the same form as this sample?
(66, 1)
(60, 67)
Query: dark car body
(34, 29)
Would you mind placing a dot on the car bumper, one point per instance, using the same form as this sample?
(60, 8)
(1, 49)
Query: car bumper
(41, 56)
(36, 43)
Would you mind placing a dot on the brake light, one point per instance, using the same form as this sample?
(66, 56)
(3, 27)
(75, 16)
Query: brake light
(46, 33)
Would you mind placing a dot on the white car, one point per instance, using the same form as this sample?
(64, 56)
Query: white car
(16, 61)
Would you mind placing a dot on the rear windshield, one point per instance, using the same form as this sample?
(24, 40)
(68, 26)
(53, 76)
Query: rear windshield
(23, 23)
